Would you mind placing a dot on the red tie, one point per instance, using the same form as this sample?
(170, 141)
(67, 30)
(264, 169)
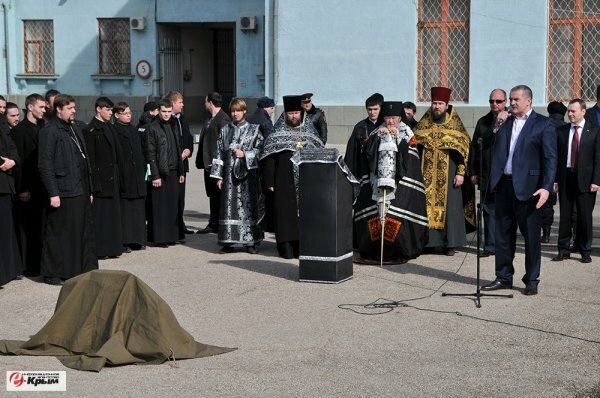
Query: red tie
(574, 148)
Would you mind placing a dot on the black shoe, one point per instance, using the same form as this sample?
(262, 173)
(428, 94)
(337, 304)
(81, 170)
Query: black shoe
(586, 258)
(562, 256)
(188, 231)
(530, 291)
(449, 251)
(126, 249)
(161, 245)
(208, 230)
(497, 285)
(181, 242)
(19, 277)
(251, 249)
(53, 281)
(226, 249)
(486, 253)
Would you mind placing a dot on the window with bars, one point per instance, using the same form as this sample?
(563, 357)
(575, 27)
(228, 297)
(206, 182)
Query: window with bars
(574, 50)
(38, 51)
(114, 49)
(443, 48)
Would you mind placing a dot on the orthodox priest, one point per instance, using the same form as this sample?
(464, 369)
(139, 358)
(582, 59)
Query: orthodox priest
(444, 146)
(236, 171)
(291, 133)
(391, 201)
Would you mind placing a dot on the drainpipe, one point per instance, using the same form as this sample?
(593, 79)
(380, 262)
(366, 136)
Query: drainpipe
(275, 49)
(6, 60)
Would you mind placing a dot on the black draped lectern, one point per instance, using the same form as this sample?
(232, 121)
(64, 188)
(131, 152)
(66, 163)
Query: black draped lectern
(325, 199)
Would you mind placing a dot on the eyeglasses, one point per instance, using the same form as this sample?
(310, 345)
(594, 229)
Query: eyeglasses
(498, 101)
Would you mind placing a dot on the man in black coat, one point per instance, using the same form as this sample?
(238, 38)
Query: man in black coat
(68, 247)
(577, 179)
(262, 115)
(207, 152)
(105, 157)
(480, 174)
(30, 190)
(186, 143)
(315, 115)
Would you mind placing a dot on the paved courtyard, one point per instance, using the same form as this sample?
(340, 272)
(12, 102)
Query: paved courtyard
(316, 340)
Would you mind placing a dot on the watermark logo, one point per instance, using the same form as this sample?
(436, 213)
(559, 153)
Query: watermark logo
(18, 380)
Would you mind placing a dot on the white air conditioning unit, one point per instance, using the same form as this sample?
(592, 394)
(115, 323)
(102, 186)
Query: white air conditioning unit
(137, 23)
(247, 23)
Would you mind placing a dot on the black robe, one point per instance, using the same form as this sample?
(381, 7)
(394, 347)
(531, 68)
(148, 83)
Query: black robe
(278, 172)
(394, 164)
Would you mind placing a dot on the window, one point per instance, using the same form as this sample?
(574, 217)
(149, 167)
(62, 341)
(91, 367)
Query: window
(443, 48)
(114, 54)
(574, 50)
(38, 48)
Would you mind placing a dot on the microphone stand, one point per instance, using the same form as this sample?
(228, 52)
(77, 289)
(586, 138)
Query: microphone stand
(479, 231)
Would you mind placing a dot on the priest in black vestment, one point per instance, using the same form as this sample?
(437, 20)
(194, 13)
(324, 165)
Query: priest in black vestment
(391, 200)
(29, 203)
(68, 247)
(291, 133)
(105, 159)
(133, 171)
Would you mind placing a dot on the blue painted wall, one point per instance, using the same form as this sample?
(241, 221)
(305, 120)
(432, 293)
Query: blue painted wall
(343, 50)
(76, 43)
(249, 45)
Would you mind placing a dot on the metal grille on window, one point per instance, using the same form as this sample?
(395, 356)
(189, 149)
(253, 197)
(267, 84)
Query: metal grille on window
(443, 58)
(114, 56)
(38, 47)
(574, 50)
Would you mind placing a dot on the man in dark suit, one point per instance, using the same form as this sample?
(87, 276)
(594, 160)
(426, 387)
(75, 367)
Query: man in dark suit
(592, 115)
(523, 171)
(207, 152)
(577, 179)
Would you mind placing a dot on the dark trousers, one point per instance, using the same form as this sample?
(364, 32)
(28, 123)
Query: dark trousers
(488, 205)
(180, 208)
(510, 213)
(570, 197)
(214, 197)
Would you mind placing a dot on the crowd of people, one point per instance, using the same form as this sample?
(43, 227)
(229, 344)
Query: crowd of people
(74, 193)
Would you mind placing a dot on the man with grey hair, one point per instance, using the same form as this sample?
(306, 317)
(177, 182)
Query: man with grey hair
(523, 171)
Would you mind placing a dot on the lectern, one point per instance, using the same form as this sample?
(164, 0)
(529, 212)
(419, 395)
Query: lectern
(326, 193)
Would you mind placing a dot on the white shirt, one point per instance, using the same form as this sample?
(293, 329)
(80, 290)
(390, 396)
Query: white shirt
(571, 132)
(518, 124)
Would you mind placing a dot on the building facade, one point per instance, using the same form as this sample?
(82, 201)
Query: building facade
(340, 50)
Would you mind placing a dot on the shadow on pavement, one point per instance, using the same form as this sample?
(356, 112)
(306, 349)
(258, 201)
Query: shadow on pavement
(273, 268)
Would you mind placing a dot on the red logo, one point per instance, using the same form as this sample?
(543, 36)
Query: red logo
(16, 379)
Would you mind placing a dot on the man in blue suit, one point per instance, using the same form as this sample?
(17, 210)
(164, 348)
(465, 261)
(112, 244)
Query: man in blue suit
(523, 171)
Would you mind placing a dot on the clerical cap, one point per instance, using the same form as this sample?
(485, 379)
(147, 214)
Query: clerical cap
(265, 102)
(292, 103)
(392, 108)
(306, 97)
(440, 94)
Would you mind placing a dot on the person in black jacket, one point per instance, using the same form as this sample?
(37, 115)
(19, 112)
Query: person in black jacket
(11, 266)
(68, 247)
(315, 115)
(186, 143)
(30, 190)
(262, 115)
(105, 157)
(133, 171)
(166, 173)
(207, 151)
(150, 114)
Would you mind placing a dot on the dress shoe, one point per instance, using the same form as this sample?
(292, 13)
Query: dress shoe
(586, 258)
(188, 231)
(181, 242)
(53, 281)
(207, 230)
(226, 249)
(562, 256)
(497, 285)
(449, 251)
(251, 249)
(126, 249)
(19, 277)
(486, 253)
(530, 291)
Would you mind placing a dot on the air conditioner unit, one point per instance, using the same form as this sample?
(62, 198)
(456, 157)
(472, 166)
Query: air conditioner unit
(137, 23)
(247, 23)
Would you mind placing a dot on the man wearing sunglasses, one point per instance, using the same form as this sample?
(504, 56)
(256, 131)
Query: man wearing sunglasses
(479, 167)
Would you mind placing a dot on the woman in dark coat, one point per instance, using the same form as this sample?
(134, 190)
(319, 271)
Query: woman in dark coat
(10, 260)
(133, 170)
